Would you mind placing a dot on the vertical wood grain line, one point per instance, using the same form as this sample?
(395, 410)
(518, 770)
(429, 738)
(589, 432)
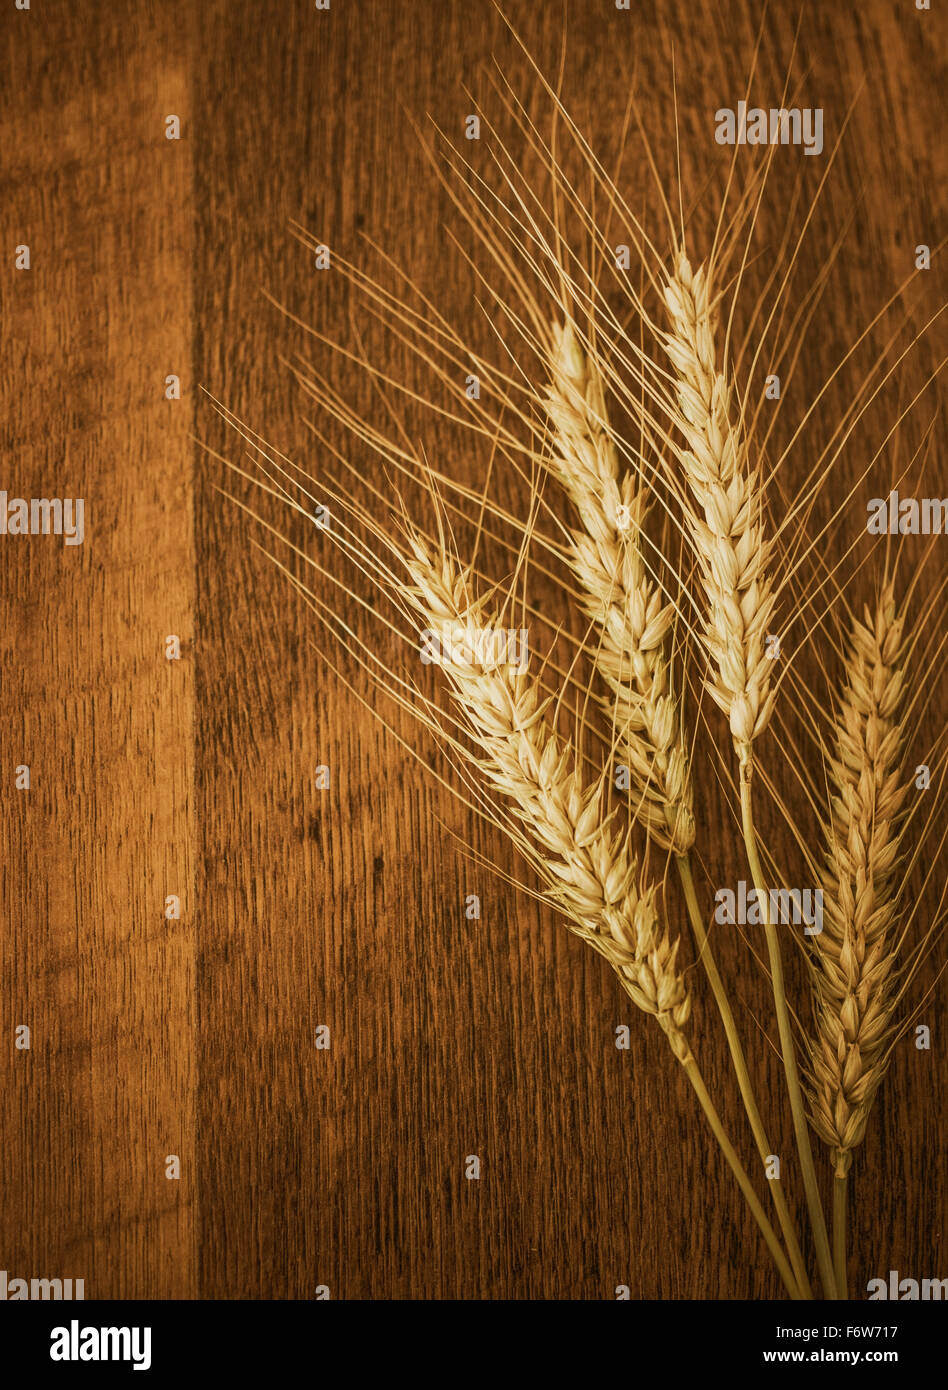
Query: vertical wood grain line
(92, 851)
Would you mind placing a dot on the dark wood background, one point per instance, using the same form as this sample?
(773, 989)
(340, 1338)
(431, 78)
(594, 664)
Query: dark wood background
(299, 907)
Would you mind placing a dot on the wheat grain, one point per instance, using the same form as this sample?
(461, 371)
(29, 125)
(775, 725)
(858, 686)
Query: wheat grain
(732, 549)
(855, 958)
(619, 596)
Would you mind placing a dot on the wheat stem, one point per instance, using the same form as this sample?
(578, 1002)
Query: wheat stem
(739, 1063)
(784, 1028)
(693, 1074)
(840, 1196)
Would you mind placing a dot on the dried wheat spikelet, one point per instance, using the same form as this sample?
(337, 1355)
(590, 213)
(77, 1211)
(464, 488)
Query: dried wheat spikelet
(619, 596)
(732, 549)
(856, 956)
(588, 870)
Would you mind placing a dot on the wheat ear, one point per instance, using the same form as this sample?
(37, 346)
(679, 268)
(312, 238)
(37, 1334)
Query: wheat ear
(856, 956)
(854, 959)
(619, 596)
(730, 543)
(734, 557)
(586, 866)
(585, 862)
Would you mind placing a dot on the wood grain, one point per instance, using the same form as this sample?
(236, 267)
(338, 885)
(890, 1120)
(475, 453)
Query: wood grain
(343, 1167)
(104, 722)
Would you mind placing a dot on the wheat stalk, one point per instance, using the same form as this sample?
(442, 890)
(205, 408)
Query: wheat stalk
(734, 557)
(586, 866)
(634, 624)
(856, 959)
(619, 596)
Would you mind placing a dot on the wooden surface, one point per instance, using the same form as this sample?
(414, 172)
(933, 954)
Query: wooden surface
(150, 1037)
